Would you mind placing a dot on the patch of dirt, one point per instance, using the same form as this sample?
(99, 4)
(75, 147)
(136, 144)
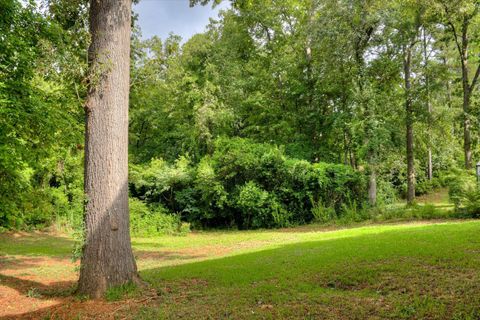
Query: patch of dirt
(182, 254)
(25, 294)
(71, 308)
(165, 255)
(22, 290)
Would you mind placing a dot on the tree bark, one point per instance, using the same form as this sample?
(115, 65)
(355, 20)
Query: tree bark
(372, 188)
(429, 107)
(409, 126)
(467, 141)
(107, 258)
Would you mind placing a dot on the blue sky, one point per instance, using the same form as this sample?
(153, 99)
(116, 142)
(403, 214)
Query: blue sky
(160, 17)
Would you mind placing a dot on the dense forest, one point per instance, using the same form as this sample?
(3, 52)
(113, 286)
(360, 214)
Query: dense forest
(283, 112)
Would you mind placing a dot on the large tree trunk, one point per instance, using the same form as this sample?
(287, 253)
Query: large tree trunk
(409, 124)
(107, 255)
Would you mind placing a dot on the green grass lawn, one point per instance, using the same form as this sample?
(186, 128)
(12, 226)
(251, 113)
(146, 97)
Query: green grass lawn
(406, 271)
(397, 272)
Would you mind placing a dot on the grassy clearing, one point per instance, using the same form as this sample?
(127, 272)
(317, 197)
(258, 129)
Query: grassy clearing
(414, 271)
(408, 271)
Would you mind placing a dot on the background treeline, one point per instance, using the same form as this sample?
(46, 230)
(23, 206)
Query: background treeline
(283, 112)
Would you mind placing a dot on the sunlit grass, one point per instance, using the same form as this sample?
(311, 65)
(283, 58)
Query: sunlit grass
(380, 271)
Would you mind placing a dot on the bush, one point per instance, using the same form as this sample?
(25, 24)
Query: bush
(153, 220)
(353, 212)
(386, 193)
(37, 197)
(464, 192)
(468, 202)
(321, 213)
(247, 185)
(426, 186)
(258, 208)
(460, 183)
(159, 181)
(427, 211)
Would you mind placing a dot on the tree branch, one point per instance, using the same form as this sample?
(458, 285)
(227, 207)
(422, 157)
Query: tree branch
(454, 30)
(475, 79)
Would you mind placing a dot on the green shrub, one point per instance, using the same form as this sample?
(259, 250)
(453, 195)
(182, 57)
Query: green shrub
(253, 204)
(427, 211)
(153, 220)
(159, 181)
(246, 185)
(321, 213)
(464, 192)
(468, 203)
(35, 197)
(258, 208)
(353, 212)
(207, 201)
(423, 187)
(386, 193)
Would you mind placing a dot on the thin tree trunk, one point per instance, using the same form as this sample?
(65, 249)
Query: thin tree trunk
(429, 107)
(409, 125)
(467, 141)
(448, 97)
(107, 258)
(467, 89)
(372, 188)
(429, 164)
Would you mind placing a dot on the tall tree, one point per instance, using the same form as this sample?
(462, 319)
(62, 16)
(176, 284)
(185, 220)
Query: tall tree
(364, 25)
(107, 255)
(460, 16)
(409, 119)
(428, 102)
(407, 20)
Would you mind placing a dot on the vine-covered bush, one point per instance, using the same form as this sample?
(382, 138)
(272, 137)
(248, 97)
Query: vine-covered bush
(247, 185)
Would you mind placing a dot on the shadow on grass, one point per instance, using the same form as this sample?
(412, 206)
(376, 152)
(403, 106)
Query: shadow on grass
(37, 289)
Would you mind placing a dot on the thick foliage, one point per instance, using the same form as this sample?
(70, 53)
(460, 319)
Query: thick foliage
(247, 185)
(153, 220)
(40, 117)
(464, 192)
